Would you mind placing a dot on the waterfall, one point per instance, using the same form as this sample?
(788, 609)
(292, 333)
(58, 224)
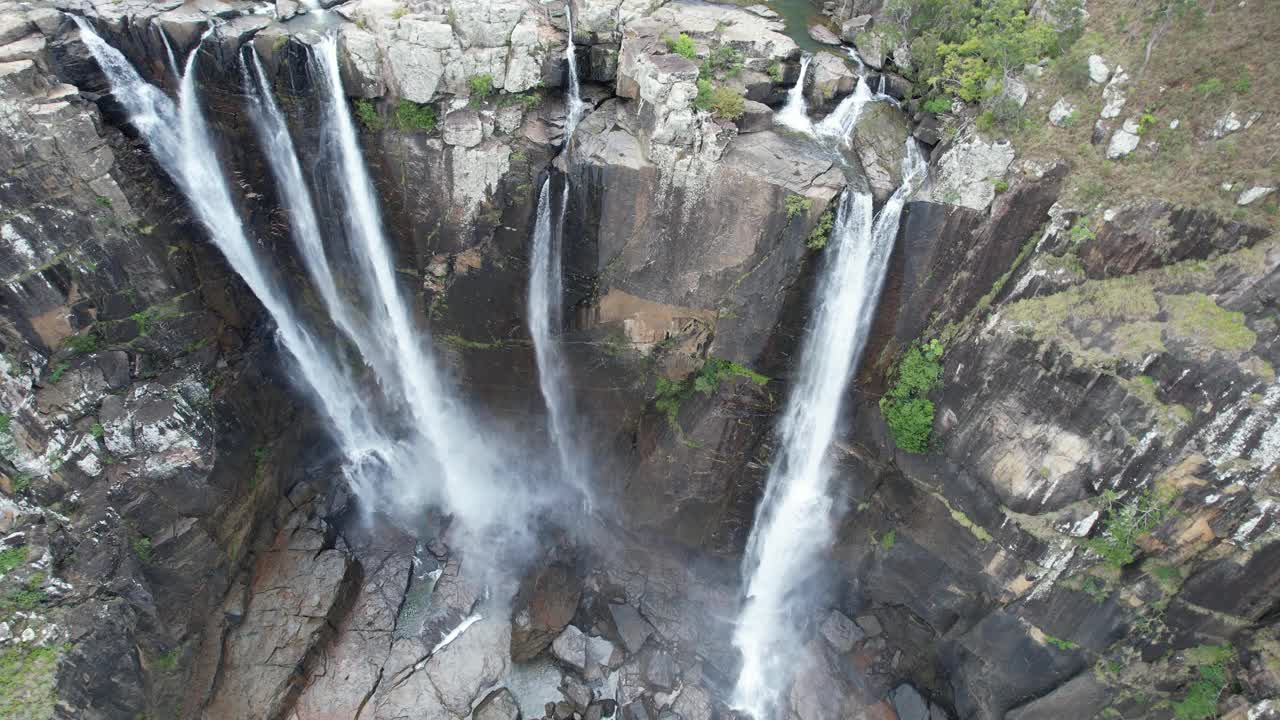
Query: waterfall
(574, 107)
(795, 521)
(545, 293)
(840, 123)
(269, 124)
(180, 142)
(470, 473)
(794, 114)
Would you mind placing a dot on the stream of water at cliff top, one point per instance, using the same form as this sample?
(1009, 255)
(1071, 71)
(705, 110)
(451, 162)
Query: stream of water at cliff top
(795, 521)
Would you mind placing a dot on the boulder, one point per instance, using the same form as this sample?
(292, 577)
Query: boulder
(497, 705)
(542, 610)
(1124, 141)
(660, 670)
(603, 62)
(1113, 97)
(1233, 122)
(871, 47)
(1254, 194)
(1098, 70)
(1062, 112)
(14, 24)
(823, 34)
(879, 140)
(850, 28)
(908, 703)
(964, 173)
(755, 117)
(632, 628)
(840, 631)
(832, 77)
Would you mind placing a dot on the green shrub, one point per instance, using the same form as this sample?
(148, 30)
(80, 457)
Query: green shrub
(1080, 232)
(821, 232)
(727, 103)
(986, 121)
(1125, 523)
(683, 46)
(702, 100)
(1210, 87)
(937, 105)
(412, 116)
(1243, 84)
(481, 86)
(97, 430)
(670, 394)
(905, 406)
(142, 548)
(11, 558)
(959, 47)
(1201, 700)
(775, 71)
(1073, 70)
(103, 201)
(797, 204)
(58, 371)
(888, 540)
(82, 344)
(1001, 185)
(368, 115)
(399, 12)
(1146, 121)
(724, 60)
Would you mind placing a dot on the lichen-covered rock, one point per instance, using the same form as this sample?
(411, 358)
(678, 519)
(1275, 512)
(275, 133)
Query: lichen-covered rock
(964, 173)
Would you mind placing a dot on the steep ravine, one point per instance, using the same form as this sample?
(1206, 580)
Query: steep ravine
(178, 540)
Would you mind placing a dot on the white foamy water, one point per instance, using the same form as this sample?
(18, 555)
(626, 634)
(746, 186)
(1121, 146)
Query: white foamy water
(180, 142)
(794, 114)
(574, 107)
(795, 522)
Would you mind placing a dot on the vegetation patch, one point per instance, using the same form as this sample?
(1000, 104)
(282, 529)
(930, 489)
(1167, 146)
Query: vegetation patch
(460, 342)
(368, 115)
(797, 205)
(481, 86)
(27, 682)
(721, 101)
(143, 549)
(1126, 522)
(1196, 317)
(670, 394)
(411, 116)
(905, 406)
(1201, 700)
(821, 232)
(82, 344)
(11, 558)
(682, 45)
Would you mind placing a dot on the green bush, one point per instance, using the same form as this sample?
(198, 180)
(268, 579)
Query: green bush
(775, 71)
(82, 344)
(723, 61)
(1146, 121)
(1125, 523)
(797, 205)
(1073, 70)
(412, 116)
(727, 103)
(481, 86)
(58, 371)
(905, 406)
(1001, 186)
(11, 558)
(937, 105)
(821, 232)
(670, 394)
(1210, 87)
(1201, 700)
(142, 548)
(959, 47)
(1243, 84)
(683, 46)
(368, 115)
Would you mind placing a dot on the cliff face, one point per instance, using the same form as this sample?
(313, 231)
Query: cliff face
(178, 539)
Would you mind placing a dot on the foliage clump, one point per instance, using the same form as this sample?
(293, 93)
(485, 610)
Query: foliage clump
(368, 115)
(966, 49)
(1126, 522)
(672, 393)
(821, 232)
(906, 407)
(682, 45)
(1201, 700)
(797, 205)
(11, 558)
(412, 116)
(481, 86)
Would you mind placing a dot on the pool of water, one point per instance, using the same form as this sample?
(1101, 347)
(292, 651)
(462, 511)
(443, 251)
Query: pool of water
(799, 15)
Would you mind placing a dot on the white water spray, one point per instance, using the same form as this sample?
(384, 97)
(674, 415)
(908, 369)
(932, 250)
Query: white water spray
(180, 142)
(795, 521)
(840, 123)
(471, 478)
(794, 114)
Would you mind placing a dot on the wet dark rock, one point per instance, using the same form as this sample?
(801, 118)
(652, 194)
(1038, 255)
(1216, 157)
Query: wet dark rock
(542, 609)
(908, 703)
(1082, 695)
(840, 631)
(1154, 234)
(632, 628)
(660, 669)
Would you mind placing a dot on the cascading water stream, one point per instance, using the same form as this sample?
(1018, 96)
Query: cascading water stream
(472, 478)
(794, 523)
(180, 142)
(840, 123)
(794, 114)
(574, 107)
(273, 134)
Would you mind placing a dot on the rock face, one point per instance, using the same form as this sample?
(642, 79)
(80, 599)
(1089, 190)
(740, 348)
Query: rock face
(178, 524)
